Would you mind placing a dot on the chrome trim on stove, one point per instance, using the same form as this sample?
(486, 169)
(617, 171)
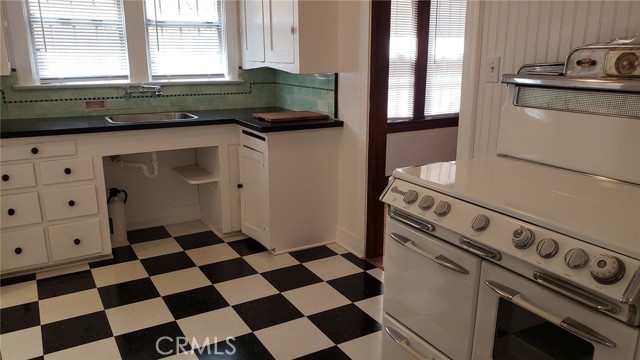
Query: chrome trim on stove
(438, 259)
(631, 296)
(562, 82)
(404, 343)
(580, 295)
(479, 249)
(410, 220)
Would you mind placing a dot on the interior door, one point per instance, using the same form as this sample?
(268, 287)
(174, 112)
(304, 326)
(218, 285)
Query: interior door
(254, 195)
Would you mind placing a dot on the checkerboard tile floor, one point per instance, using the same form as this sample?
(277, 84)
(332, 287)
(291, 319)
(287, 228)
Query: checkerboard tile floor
(181, 292)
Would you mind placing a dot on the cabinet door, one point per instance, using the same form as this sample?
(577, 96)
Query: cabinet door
(254, 195)
(280, 31)
(252, 28)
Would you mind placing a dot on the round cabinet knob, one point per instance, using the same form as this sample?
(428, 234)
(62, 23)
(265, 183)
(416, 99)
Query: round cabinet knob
(34, 150)
(442, 209)
(547, 248)
(576, 258)
(607, 269)
(72, 203)
(18, 251)
(426, 202)
(410, 197)
(67, 171)
(523, 238)
(5, 177)
(239, 186)
(76, 241)
(480, 222)
(11, 212)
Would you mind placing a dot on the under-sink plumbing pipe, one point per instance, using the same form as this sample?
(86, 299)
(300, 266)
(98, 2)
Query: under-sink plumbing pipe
(150, 173)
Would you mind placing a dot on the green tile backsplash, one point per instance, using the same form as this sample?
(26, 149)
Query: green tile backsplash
(262, 87)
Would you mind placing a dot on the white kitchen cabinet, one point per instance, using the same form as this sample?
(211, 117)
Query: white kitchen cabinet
(5, 68)
(289, 186)
(290, 35)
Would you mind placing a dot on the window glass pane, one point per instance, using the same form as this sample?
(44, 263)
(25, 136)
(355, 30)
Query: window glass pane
(446, 48)
(402, 58)
(185, 38)
(78, 40)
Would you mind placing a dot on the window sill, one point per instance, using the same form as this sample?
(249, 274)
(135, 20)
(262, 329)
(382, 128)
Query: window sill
(121, 84)
(423, 124)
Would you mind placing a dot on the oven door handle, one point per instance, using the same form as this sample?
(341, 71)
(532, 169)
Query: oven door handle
(575, 293)
(571, 325)
(438, 259)
(404, 343)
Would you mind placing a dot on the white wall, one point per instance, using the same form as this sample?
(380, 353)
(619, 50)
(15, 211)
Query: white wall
(420, 147)
(522, 32)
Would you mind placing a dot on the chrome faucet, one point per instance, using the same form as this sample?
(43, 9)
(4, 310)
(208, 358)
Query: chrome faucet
(155, 89)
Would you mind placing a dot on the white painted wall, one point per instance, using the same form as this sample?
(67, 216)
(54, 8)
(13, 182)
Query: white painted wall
(420, 147)
(522, 32)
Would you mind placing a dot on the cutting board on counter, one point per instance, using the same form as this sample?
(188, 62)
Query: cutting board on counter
(289, 116)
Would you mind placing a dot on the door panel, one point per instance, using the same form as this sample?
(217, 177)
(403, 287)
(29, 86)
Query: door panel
(254, 195)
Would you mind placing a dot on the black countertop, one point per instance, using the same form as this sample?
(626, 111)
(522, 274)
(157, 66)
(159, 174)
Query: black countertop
(15, 128)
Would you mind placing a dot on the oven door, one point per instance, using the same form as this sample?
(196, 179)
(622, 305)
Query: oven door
(519, 319)
(431, 288)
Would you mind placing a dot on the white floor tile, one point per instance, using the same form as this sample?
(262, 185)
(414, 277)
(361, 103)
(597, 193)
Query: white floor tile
(245, 289)
(17, 294)
(186, 228)
(118, 273)
(61, 271)
(293, 339)
(139, 315)
(315, 298)
(23, 344)
(377, 273)
(372, 306)
(364, 348)
(265, 261)
(210, 254)
(98, 350)
(178, 281)
(332, 267)
(70, 305)
(153, 248)
(215, 325)
(337, 248)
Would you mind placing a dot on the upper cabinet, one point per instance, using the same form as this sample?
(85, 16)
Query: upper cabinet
(298, 36)
(5, 69)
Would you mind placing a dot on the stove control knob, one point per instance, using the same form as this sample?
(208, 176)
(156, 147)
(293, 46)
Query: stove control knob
(480, 222)
(426, 202)
(410, 197)
(576, 258)
(442, 209)
(547, 248)
(522, 238)
(607, 269)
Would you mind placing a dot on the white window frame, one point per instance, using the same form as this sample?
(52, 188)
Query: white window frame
(136, 38)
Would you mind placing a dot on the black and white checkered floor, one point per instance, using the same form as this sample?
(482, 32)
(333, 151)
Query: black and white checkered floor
(179, 291)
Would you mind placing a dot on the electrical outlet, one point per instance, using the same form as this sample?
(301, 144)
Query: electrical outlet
(493, 69)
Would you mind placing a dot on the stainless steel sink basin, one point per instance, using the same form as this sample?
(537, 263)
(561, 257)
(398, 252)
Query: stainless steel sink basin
(150, 117)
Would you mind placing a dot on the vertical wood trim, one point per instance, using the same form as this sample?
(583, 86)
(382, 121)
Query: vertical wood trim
(420, 83)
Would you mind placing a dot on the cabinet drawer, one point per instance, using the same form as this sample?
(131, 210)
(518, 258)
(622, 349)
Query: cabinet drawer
(75, 239)
(70, 202)
(36, 151)
(20, 209)
(17, 176)
(23, 248)
(60, 171)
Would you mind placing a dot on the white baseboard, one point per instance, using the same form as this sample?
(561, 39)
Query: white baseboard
(164, 217)
(349, 241)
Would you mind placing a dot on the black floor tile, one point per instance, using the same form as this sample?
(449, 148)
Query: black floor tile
(37, 358)
(332, 353)
(362, 264)
(141, 344)
(358, 286)
(291, 277)
(267, 311)
(166, 263)
(127, 293)
(17, 279)
(65, 284)
(246, 247)
(19, 317)
(121, 254)
(193, 302)
(75, 331)
(197, 240)
(345, 323)
(227, 270)
(316, 253)
(148, 234)
(245, 347)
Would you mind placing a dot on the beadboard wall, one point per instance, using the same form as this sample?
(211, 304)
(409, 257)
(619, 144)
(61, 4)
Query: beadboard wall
(522, 32)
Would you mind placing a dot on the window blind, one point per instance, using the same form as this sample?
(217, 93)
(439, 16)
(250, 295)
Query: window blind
(402, 58)
(78, 40)
(444, 59)
(185, 38)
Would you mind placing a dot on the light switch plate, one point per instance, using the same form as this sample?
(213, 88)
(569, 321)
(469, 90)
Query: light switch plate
(493, 69)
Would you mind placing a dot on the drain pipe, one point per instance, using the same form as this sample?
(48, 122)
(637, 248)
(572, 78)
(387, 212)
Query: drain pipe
(150, 173)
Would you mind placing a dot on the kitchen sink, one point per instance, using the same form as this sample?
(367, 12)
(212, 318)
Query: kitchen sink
(150, 117)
